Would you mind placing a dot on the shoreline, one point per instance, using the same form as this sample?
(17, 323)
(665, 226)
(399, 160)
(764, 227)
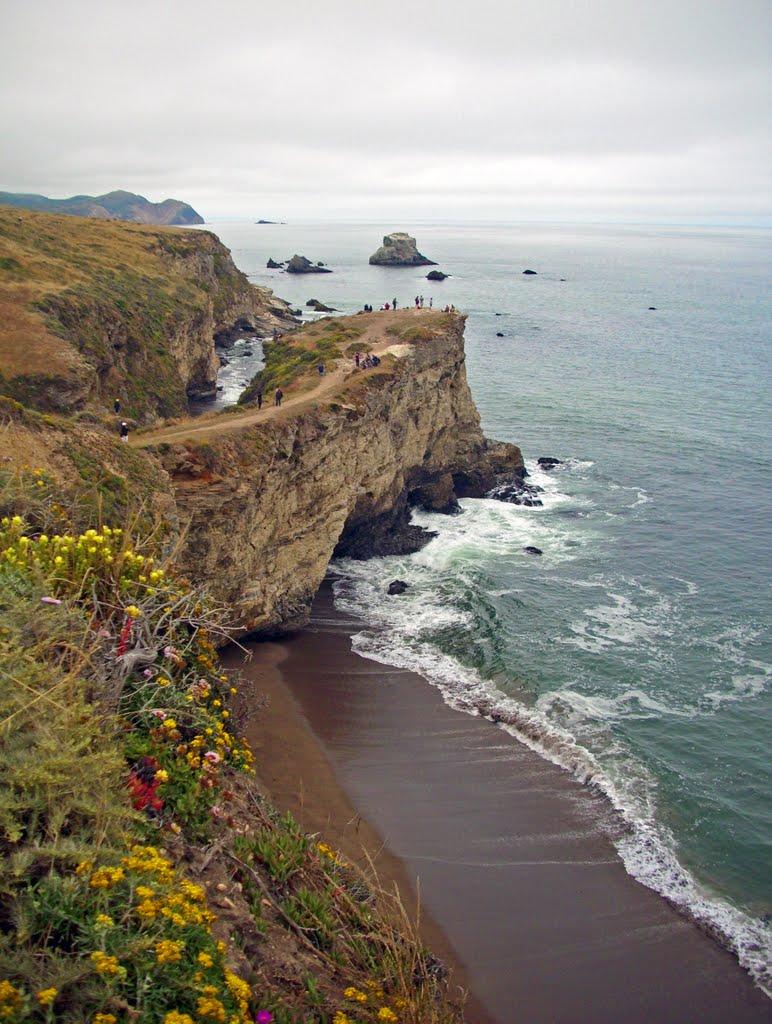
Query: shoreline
(298, 776)
(517, 869)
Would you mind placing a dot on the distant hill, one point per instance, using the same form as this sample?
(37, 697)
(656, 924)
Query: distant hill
(118, 205)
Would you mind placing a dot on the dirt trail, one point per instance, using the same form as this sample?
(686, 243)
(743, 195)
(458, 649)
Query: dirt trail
(205, 426)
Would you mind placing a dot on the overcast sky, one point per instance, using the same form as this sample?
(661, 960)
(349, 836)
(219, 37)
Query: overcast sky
(461, 109)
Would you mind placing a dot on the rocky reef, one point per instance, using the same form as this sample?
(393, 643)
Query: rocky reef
(263, 508)
(399, 250)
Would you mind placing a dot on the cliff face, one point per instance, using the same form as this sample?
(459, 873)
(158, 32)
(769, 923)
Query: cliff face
(94, 311)
(263, 508)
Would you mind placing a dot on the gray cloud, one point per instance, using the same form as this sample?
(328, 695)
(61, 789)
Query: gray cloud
(446, 109)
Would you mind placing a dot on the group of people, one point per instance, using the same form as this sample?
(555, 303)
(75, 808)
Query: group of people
(277, 396)
(419, 302)
(366, 362)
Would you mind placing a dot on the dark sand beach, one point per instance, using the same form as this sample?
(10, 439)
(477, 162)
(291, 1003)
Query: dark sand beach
(520, 884)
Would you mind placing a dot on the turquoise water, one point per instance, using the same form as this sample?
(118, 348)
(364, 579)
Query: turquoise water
(636, 650)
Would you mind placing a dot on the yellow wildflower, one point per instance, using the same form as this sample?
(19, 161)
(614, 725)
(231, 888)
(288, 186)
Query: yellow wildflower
(341, 1018)
(211, 1008)
(386, 1015)
(132, 611)
(205, 960)
(175, 1017)
(104, 920)
(46, 996)
(106, 965)
(354, 995)
(105, 1018)
(169, 951)
(162, 775)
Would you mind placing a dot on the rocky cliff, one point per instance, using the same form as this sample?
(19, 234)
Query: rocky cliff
(262, 508)
(96, 310)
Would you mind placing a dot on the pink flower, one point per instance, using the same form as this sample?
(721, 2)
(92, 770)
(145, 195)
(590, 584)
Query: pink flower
(50, 600)
(159, 714)
(169, 651)
(263, 1017)
(212, 757)
(217, 811)
(148, 673)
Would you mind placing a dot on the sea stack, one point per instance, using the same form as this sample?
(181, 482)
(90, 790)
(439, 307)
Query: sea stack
(399, 250)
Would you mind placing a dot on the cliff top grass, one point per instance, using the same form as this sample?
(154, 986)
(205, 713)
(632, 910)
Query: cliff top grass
(292, 360)
(80, 297)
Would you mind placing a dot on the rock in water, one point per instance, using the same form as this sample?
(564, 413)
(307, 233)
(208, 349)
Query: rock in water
(301, 265)
(531, 273)
(320, 306)
(499, 334)
(436, 275)
(653, 308)
(397, 587)
(531, 550)
(517, 492)
(399, 250)
(549, 462)
(273, 265)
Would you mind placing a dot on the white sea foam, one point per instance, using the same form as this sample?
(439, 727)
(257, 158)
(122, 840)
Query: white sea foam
(396, 635)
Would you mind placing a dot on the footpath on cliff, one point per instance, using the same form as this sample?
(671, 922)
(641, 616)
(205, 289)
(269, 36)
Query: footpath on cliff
(374, 340)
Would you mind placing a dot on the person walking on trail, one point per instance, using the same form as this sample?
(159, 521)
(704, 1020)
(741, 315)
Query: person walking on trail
(117, 405)
(422, 302)
(416, 301)
(320, 368)
(431, 302)
(393, 303)
(277, 396)
(124, 431)
(260, 397)
(357, 357)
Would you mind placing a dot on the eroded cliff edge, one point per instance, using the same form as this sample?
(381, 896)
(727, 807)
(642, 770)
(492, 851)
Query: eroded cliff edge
(263, 505)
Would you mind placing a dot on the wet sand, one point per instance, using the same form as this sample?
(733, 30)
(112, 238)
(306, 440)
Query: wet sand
(521, 883)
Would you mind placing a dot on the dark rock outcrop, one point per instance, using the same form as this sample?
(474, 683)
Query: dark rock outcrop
(517, 492)
(320, 306)
(549, 461)
(227, 337)
(530, 273)
(399, 250)
(396, 587)
(531, 550)
(436, 275)
(499, 334)
(302, 265)
(273, 265)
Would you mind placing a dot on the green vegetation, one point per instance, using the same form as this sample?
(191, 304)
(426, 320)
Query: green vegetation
(291, 361)
(129, 817)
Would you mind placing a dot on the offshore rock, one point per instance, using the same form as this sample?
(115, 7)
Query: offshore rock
(320, 306)
(436, 275)
(531, 273)
(530, 549)
(517, 492)
(397, 587)
(273, 265)
(549, 461)
(399, 250)
(301, 265)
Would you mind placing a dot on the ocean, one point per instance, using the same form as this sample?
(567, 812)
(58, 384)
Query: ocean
(636, 650)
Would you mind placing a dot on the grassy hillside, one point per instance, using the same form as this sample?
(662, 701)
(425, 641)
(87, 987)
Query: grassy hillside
(91, 310)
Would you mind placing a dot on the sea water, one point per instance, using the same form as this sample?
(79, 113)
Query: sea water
(636, 650)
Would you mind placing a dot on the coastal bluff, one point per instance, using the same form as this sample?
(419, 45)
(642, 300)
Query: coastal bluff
(263, 503)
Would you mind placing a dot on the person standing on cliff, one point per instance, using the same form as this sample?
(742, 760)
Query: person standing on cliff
(394, 304)
(117, 405)
(277, 397)
(416, 301)
(124, 431)
(260, 397)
